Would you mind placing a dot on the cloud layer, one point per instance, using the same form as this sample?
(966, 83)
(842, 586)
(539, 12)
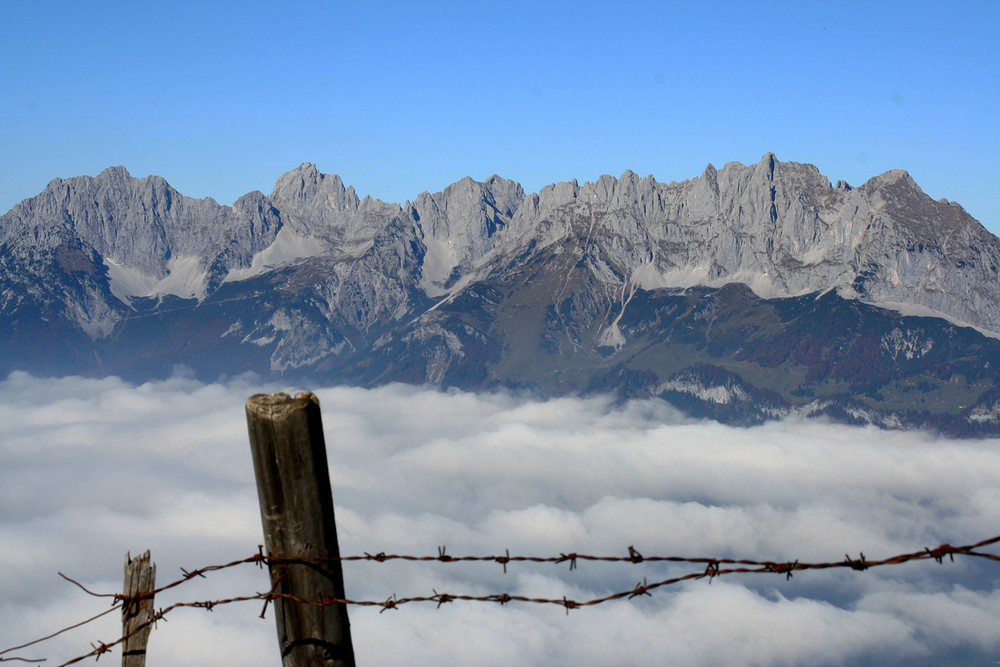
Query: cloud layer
(90, 469)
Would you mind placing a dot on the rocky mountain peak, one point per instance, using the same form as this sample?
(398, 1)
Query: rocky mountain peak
(319, 206)
(557, 194)
(302, 177)
(302, 185)
(767, 164)
(892, 177)
(457, 226)
(117, 175)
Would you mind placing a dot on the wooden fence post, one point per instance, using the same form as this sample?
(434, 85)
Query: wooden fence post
(296, 510)
(137, 614)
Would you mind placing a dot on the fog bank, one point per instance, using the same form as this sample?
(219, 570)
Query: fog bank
(92, 468)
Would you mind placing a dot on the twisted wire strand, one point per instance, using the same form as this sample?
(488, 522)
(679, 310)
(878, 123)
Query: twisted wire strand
(713, 567)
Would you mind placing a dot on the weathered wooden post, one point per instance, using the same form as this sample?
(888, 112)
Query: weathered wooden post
(137, 613)
(296, 510)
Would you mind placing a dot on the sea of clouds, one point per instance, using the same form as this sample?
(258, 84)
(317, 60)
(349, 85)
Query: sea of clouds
(91, 469)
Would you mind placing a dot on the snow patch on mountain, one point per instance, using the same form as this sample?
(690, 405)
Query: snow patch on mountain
(440, 260)
(721, 394)
(126, 282)
(989, 413)
(683, 277)
(185, 277)
(288, 246)
(906, 344)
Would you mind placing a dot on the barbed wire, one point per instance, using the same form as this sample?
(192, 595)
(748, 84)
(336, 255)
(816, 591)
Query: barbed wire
(712, 567)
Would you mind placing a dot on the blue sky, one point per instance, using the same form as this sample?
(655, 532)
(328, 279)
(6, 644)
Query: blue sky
(221, 98)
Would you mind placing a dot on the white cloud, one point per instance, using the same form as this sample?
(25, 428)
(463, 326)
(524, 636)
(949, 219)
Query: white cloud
(92, 468)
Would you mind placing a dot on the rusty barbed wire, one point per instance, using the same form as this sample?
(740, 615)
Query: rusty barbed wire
(713, 567)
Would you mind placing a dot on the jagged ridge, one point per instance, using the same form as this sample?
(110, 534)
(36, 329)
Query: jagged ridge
(322, 278)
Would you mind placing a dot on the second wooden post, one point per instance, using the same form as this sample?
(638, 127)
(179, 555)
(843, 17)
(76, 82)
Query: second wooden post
(296, 509)
(137, 608)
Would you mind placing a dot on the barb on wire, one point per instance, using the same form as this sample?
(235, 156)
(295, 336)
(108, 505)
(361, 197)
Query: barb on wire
(568, 557)
(942, 551)
(858, 565)
(640, 589)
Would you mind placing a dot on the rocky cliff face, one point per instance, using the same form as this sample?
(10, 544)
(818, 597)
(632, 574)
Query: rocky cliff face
(481, 284)
(783, 230)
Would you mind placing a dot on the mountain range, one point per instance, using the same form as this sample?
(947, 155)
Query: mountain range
(748, 293)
